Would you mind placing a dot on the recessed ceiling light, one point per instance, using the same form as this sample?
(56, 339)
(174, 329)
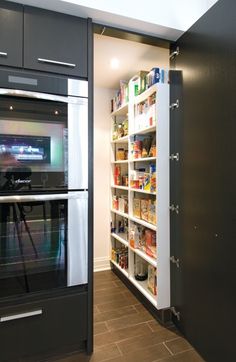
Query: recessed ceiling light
(114, 63)
(11, 108)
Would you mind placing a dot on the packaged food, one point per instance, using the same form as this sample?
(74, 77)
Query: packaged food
(152, 212)
(150, 242)
(115, 202)
(125, 180)
(123, 204)
(117, 175)
(152, 280)
(144, 205)
(137, 208)
(147, 182)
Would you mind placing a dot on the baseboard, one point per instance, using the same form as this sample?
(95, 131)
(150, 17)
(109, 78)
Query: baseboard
(101, 264)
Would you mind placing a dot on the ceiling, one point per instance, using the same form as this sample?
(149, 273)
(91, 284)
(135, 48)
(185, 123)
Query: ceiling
(167, 19)
(131, 56)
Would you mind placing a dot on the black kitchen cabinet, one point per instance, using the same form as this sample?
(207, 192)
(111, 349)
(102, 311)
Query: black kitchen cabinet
(11, 34)
(55, 42)
(33, 329)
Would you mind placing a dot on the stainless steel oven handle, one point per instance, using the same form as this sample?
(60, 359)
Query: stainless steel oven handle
(13, 317)
(37, 95)
(52, 197)
(3, 54)
(56, 62)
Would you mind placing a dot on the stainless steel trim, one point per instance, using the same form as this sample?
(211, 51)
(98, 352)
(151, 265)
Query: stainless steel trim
(12, 317)
(77, 88)
(56, 62)
(51, 197)
(3, 54)
(37, 95)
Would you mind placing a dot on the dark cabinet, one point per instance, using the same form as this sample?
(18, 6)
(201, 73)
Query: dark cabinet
(11, 34)
(55, 42)
(36, 328)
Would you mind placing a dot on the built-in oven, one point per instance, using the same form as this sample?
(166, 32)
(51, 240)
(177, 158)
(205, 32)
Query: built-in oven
(43, 183)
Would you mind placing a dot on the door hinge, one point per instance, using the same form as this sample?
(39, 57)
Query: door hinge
(174, 156)
(174, 208)
(174, 53)
(176, 314)
(174, 105)
(174, 261)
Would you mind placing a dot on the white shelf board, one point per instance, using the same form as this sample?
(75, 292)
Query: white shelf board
(145, 159)
(121, 111)
(121, 140)
(120, 187)
(121, 161)
(146, 257)
(142, 286)
(124, 271)
(120, 238)
(144, 130)
(144, 223)
(147, 93)
(120, 213)
(143, 191)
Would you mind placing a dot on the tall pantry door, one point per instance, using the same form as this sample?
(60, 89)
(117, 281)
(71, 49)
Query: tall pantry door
(203, 183)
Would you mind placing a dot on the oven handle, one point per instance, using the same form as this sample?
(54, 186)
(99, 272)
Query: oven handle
(52, 197)
(44, 96)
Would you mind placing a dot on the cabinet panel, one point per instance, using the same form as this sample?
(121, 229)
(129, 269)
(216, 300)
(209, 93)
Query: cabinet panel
(55, 42)
(11, 34)
(50, 326)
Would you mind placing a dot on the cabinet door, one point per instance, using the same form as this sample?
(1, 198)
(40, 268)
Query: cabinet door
(55, 42)
(203, 234)
(11, 34)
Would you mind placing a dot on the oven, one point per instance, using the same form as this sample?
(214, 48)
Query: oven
(43, 183)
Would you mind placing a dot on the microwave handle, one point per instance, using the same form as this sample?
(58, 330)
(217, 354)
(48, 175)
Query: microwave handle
(51, 197)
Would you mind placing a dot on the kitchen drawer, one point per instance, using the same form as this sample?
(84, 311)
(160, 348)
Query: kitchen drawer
(55, 42)
(43, 327)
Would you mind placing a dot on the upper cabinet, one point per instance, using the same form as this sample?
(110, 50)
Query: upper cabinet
(54, 42)
(11, 34)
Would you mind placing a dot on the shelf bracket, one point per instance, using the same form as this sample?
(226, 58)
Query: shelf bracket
(174, 53)
(174, 261)
(174, 208)
(176, 314)
(174, 105)
(174, 156)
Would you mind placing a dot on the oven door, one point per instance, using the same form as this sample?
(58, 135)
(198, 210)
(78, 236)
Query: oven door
(43, 242)
(43, 142)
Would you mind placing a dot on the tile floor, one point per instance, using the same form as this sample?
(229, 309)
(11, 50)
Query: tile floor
(124, 331)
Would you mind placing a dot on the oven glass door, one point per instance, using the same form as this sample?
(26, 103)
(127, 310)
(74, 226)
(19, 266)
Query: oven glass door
(43, 142)
(43, 242)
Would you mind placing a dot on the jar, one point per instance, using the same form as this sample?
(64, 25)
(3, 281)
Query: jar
(120, 154)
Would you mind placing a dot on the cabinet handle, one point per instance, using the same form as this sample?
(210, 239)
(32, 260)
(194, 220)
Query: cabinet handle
(3, 54)
(12, 317)
(56, 62)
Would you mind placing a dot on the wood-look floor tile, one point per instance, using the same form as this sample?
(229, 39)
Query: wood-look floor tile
(161, 335)
(100, 327)
(132, 320)
(178, 345)
(105, 285)
(188, 356)
(105, 275)
(108, 292)
(114, 314)
(116, 304)
(156, 326)
(121, 334)
(111, 298)
(150, 354)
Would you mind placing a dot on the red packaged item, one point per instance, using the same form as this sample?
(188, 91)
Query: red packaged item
(150, 240)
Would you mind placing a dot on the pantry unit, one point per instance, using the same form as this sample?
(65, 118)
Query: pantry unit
(140, 184)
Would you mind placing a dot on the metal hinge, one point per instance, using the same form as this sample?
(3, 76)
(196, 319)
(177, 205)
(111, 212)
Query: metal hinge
(174, 53)
(174, 156)
(174, 261)
(174, 208)
(176, 314)
(174, 105)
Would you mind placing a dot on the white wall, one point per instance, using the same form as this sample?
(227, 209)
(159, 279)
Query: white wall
(102, 134)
